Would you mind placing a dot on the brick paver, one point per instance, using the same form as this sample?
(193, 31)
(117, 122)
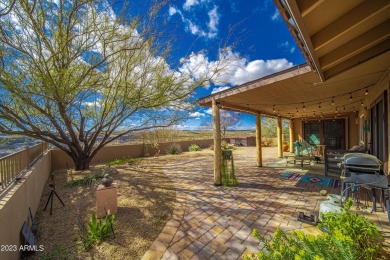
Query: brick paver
(211, 222)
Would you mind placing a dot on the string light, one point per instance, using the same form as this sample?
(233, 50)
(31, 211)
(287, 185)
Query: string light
(350, 97)
(274, 108)
(362, 103)
(303, 106)
(366, 93)
(297, 111)
(336, 110)
(278, 113)
(319, 105)
(332, 101)
(344, 108)
(321, 115)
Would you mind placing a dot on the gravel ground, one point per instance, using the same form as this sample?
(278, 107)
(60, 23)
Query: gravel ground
(146, 199)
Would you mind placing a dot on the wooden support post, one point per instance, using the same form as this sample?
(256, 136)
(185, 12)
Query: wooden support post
(291, 136)
(217, 144)
(279, 132)
(259, 161)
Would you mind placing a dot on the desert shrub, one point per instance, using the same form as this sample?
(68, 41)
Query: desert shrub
(194, 148)
(351, 236)
(98, 230)
(363, 232)
(86, 181)
(174, 149)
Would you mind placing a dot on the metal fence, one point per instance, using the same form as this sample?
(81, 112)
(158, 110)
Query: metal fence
(14, 165)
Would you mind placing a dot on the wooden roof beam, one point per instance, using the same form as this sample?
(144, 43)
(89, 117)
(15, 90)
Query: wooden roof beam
(306, 40)
(306, 6)
(356, 46)
(358, 59)
(354, 18)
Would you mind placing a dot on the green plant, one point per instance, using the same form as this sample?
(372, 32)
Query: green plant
(174, 149)
(228, 172)
(98, 230)
(86, 181)
(118, 161)
(299, 245)
(351, 236)
(194, 148)
(364, 232)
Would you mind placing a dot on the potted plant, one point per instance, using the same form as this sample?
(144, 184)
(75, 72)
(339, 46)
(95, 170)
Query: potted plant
(285, 146)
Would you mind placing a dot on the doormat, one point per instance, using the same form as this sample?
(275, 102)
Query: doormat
(323, 181)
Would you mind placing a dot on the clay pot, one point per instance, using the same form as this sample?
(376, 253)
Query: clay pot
(107, 180)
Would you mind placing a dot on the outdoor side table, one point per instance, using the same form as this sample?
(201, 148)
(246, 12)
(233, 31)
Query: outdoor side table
(292, 159)
(106, 200)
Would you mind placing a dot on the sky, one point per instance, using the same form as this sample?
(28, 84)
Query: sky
(264, 44)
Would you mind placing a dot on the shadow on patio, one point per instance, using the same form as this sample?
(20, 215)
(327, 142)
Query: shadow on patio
(212, 222)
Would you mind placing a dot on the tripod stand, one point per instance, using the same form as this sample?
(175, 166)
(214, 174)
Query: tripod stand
(52, 193)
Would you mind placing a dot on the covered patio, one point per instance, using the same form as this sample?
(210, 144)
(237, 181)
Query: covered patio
(340, 95)
(215, 222)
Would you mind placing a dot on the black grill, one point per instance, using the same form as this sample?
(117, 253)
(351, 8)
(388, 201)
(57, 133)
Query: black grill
(361, 168)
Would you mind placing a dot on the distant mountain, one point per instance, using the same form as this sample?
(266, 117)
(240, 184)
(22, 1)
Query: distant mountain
(11, 144)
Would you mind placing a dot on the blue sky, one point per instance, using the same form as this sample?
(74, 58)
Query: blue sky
(264, 43)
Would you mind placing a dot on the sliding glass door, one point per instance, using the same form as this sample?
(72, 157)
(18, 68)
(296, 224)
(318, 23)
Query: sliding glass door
(327, 132)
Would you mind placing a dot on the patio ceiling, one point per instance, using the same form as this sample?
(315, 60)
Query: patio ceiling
(298, 87)
(336, 35)
(347, 46)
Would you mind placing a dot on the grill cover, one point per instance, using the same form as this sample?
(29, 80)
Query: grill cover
(361, 168)
(361, 159)
(372, 180)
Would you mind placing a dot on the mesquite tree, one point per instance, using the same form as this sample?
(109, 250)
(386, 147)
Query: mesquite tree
(78, 75)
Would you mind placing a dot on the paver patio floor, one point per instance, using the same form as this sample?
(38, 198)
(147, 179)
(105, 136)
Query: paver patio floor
(212, 222)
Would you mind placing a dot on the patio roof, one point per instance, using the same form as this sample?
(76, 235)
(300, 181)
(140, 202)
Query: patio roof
(348, 53)
(298, 87)
(336, 35)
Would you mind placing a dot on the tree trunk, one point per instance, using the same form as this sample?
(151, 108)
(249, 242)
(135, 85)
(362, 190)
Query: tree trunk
(81, 163)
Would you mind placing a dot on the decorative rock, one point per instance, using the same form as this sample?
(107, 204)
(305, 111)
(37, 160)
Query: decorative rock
(323, 192)
(107, 180)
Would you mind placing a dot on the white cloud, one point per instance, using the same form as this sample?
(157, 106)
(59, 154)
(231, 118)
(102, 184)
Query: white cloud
(172, 10)
(190, 26)
(275, 16)
(196, 114)
(219, 89)
(190, 3)
(237, 70)
(213, 23)
(287, 46)
(209, 111)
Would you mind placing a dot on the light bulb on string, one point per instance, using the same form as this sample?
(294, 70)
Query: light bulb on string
(303, 106)
(332, 101)
(366, 93)
(319, 105)
(274, 109)
(336, 110)
(362, 104)
(350, 97)
(297, 111)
